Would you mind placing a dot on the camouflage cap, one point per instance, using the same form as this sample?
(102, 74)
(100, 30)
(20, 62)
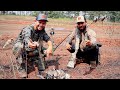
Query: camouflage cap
(41, 17)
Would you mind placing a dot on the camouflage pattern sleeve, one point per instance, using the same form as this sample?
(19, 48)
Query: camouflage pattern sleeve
(71, 37)
(26, 33)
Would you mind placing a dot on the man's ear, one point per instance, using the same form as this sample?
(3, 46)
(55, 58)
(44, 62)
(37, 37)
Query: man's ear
(35, 24)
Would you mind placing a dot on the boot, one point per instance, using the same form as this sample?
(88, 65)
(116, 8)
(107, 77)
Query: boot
(71, 63)
(22, 73)
(20, 67)
(93, 64)
(41, 65)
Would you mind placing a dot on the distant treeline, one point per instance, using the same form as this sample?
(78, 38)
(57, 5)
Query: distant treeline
(113, 16)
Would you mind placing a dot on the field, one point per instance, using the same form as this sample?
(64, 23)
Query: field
(108, 34)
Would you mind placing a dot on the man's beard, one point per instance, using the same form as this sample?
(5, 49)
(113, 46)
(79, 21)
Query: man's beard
(82, 30)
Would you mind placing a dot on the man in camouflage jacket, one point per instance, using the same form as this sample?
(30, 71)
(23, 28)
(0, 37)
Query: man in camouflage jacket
(28, 41)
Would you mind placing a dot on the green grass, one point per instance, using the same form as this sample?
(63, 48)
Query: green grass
(51, 20)
(65, 19)
(18, 17)
(60, 20)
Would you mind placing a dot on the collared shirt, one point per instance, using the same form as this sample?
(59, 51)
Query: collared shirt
(89, 35)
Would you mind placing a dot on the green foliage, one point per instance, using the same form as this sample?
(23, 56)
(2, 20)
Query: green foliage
(112, 16)
(55, 14)
(35, 13)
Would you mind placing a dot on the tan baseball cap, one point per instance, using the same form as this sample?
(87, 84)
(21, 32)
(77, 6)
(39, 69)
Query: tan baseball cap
(80, 19)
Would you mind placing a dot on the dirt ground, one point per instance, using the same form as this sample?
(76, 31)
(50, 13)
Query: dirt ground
(108, 34)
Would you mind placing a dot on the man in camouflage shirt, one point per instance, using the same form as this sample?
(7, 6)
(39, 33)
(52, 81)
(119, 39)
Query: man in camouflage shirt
(28, 41)
(82, 44)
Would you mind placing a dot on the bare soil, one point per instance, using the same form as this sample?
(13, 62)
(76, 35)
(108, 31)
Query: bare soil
(108, 34)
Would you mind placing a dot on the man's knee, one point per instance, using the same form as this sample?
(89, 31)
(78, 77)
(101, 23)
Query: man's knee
(17, 49)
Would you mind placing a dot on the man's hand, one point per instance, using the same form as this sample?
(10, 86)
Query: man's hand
(49, 52)
(88, 43)
(32, 44)
(68, 46)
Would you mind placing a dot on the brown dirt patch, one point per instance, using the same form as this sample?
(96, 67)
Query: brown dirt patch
(108, 35)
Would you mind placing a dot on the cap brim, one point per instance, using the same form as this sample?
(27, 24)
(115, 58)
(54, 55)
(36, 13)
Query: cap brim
(43, 20)
(80, 21)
